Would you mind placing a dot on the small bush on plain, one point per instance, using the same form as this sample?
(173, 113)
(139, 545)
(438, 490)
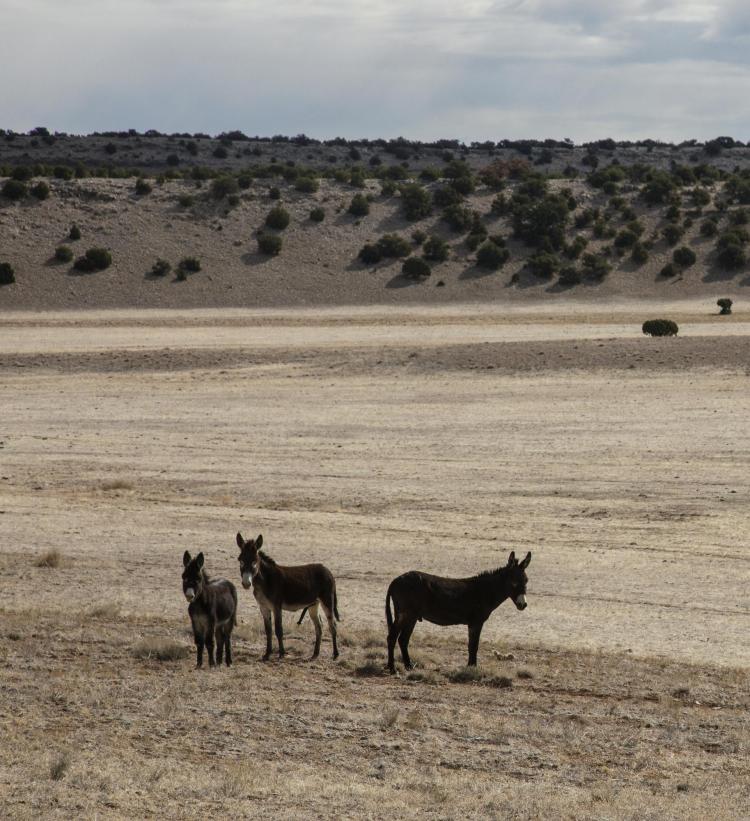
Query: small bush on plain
(660, 327)
(269, 244)
(317, 214)
(63, 253)
(7, 274)
(415, 268)
(95, 259)
(161, 268)
(277, 218)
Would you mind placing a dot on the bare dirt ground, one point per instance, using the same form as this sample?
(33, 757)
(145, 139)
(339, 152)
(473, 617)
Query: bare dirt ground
(377, 441)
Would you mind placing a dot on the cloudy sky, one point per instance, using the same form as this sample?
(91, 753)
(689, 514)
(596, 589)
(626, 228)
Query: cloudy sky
(470, 69)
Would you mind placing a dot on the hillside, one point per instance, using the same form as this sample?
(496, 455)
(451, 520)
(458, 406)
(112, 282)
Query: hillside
(591, 222)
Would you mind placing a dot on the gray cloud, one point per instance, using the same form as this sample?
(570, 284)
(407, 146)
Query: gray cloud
(481, 69)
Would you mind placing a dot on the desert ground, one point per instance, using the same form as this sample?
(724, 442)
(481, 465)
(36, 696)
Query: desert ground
(377, 440)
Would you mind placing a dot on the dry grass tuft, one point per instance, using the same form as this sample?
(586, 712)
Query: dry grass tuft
(105, 610)
(370, 669)
(465, 675)
(423, 676)
(681, 692)
(52, 558)
(59, 765)
(500, 681)
(117, 484)
(389, 717)
(524, 674)
(161, 650)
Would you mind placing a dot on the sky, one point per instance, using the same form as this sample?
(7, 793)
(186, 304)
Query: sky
(421, 69)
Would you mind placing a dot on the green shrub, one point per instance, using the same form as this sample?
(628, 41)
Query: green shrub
(74, 233)
(370, 254)
(95, 259)
(595, 266)
(541, 222)
(700, 197)
(500, 206)
(492, 256)
(22, 173)
(444, 195)
(224, 186)
(269, 244)
(40, 190)
(684, 256)
(392, 245)
(388, 188)
(415, 268)
(672, 233)
(660, 327)
(274, 193)
(659, 189)
(639, 254)
(62, 172)
(189, 265)
(161, 268)
(357, 178)
(142, 187)
(458, 217)
(63, 253)
(317, 214)
(435, 249)
(14, 190)
(570, 276)
(625, 238)
(544, 265)
(738, 217)
(307, 184)
(725, 305)
(672, 213)
(475, 239)
(418, 237)
(669, 270)
(278, 218)
(709, 228)
(7, 274)
(359, 206)
(220, 152)
(416, 201)
(732, 256)
(186, 200)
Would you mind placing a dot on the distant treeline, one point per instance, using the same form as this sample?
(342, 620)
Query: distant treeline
(525, 146)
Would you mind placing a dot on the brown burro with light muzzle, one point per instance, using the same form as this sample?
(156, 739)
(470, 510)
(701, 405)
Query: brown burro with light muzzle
(278, 588)
(445, 601)
(212, 610)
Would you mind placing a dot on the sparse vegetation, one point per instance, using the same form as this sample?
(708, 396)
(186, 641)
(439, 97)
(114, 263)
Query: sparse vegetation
(51, 558)
(161, 268)
(189, 265)
(393, 245)
(269, 244)
(142, 187)
(684, 256)
(660, 327)
(74, 233)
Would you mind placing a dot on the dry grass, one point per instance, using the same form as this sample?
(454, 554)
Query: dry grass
(160, 649)
(117, 484)
(59, 765)
(52, 558)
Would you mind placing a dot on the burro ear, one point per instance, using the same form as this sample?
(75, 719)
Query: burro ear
(259, 541)
(199, 560)
(186, 558)
(512, 558)
(240, 541)
(525, 563)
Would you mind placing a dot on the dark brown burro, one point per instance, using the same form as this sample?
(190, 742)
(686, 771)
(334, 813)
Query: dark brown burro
(444, 601)
(212, 610)
(277, 588)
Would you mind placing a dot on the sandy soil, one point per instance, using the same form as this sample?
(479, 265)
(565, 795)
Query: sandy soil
(376, 442)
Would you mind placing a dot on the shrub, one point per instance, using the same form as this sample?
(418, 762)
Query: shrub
(669, 270)
(672, 233)
(40, 190)
(660, 327)
(357, 178)
(392, 245)
(307, 184)
(220, 152)
(269, 244)
(416, 201)
(625, 238)
(160, 268)
(418, 237)
(574, 249)
(709, 228)
(732, 256)
(639, 254)
(475, 239)
(596, 266)
(173, 159)
(570, 276)
(189, 265)
(459, 217)
(725, 305)
(14, 190)
(317, 214)
(492, 256)
(278, 218)
(142, 187)
(63, 253)
(7, 274)
(370, 254)
(435, 249)
(684, 256)
(544, 265)
(224, 186)
(659, 189)
(186, 200)
(274, 193)
(541, 222)
(738, 217)
(359, 206)
(415, 268)
(388, 188)
(74, 233)
(444, 195)
(95, 259)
